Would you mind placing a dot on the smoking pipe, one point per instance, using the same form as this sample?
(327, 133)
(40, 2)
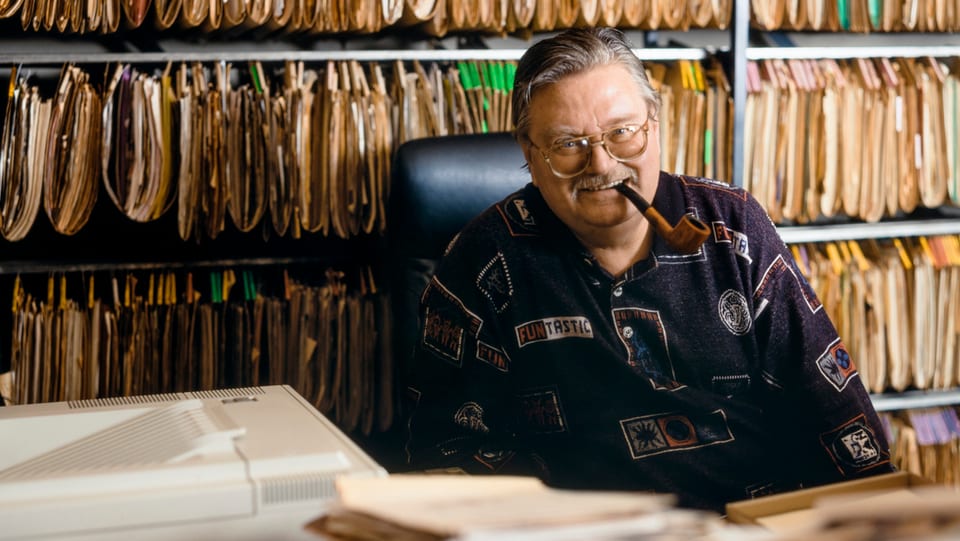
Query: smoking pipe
(685, 237)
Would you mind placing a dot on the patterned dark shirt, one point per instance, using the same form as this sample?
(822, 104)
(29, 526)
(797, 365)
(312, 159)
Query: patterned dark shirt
(716, 376)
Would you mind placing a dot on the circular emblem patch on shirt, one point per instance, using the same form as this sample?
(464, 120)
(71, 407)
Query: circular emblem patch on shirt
(734, 312)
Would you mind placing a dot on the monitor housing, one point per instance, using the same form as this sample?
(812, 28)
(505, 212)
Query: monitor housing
(239, 463)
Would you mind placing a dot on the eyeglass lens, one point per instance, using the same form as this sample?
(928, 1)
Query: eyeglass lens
(622, 144)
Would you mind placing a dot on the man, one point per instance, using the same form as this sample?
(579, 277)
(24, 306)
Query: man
(561, 336)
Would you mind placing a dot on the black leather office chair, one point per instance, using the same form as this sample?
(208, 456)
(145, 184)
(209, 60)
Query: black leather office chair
(439, 184)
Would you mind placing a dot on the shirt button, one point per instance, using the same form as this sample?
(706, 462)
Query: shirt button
(627, 332)
(618, 291)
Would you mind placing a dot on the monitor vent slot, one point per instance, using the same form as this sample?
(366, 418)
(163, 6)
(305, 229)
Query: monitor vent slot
(228, 393)
(294, 489)
(124, 400)
(160, 436)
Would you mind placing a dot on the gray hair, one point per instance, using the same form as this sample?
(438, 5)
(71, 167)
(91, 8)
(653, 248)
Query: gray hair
(569, 53)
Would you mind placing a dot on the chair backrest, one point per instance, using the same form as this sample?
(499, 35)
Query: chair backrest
(439, 184)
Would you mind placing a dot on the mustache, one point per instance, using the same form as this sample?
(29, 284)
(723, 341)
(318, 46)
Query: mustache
(592, 182)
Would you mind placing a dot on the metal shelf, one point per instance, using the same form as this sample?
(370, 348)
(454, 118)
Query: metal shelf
(880, 230)
(40, 267)
(915, 399)
(653, 54)
(812, 45)
(789, 53)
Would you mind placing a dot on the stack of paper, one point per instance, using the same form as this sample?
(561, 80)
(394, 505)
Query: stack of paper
(459, 507)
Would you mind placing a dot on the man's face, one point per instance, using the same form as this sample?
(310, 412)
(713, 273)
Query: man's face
(590, 103)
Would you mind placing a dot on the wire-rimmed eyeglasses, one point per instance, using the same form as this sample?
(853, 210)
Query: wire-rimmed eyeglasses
(569, 157)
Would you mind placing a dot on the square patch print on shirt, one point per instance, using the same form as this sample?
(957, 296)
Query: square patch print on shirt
(854, 447)
(769, 284)
(446, 323)
(668, 432)
(494, 282)
(541, 412)
(443, 335)
(738, 242)
(836, 366)
(648, 357)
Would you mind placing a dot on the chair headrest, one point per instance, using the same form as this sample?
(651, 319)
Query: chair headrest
(441, 183)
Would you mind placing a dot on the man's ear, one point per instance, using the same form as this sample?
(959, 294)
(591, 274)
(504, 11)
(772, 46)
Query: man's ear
(653, 134)
(653, 127)
(528, 156)
(526, 148)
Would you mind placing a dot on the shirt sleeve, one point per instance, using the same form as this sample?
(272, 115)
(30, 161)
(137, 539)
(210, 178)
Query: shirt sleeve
(815, 392)
(460, 397)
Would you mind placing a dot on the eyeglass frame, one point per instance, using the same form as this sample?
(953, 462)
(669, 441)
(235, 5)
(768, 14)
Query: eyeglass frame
(592, 142)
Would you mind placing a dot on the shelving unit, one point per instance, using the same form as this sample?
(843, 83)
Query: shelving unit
(850, 46)
(32, 53)
(737, 51)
